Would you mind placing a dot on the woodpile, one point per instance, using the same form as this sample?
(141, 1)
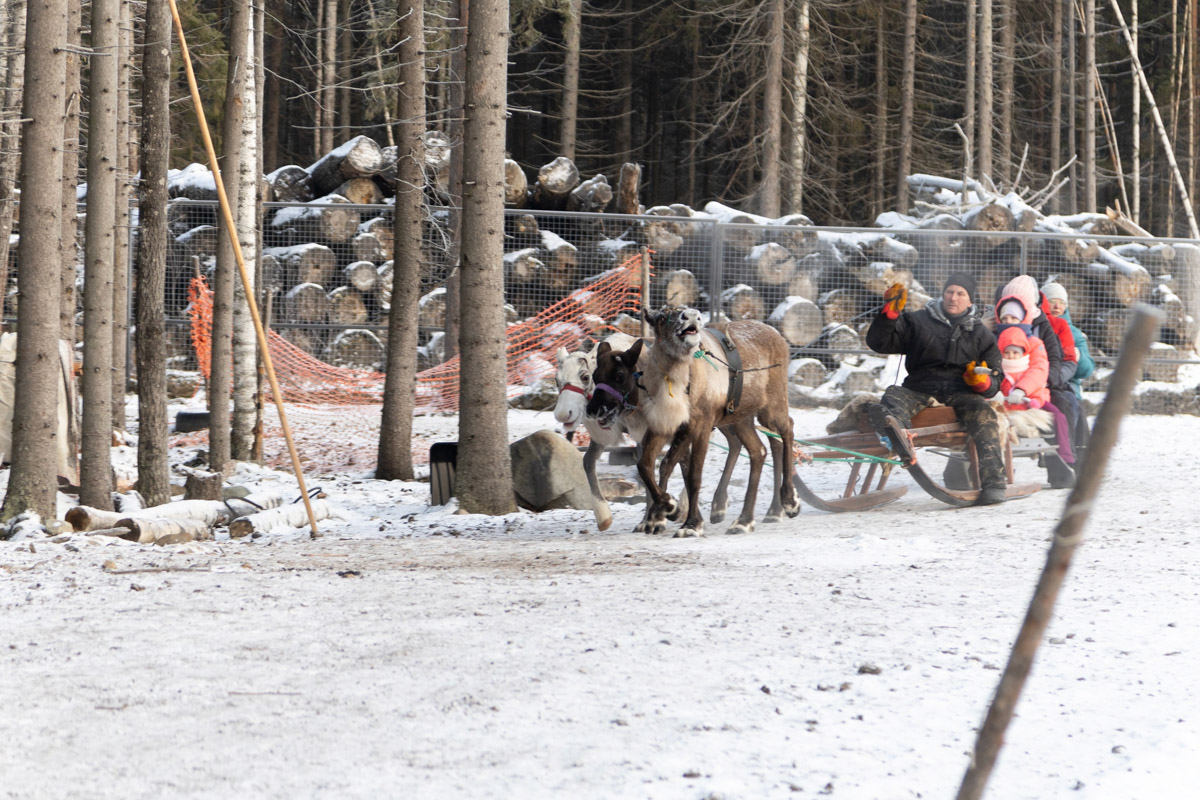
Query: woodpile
(330, 260)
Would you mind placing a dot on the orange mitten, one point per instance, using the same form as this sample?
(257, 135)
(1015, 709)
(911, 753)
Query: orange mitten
(978, 377)
(894, 300)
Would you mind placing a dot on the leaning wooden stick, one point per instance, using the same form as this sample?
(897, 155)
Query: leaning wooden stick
(1067, 535)
(241, 263)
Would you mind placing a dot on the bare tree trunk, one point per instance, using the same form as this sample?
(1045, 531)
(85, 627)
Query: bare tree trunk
(220, 441)
(1135, 126)
(625, 123)
(458, 67)
(1056, 98)
(800, 113)
(272, 90)
(386, 93)
(772, 116)
(245, 339)
(1193, 40)
(318, 95)
(95, 473)
(126, 159)
(1072, 112)
(878, 191)
(1008, 59)
(908, 82)
(484, 476)
(1089, 105)
(151, 350)
(31, 483)
(572, 25)
(10, 131)
(970, 89)
(329, 75)
(395, 434)
(344, 59)
(69, 257)
(986, 97)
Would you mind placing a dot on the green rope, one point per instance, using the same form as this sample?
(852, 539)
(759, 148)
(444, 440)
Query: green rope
(702, 354)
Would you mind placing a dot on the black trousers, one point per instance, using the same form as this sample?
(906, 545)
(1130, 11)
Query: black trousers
(974, 413)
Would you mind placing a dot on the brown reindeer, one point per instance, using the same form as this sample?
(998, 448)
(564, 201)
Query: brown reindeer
(683, 392)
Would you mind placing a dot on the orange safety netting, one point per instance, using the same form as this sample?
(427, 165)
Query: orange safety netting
(337, 392)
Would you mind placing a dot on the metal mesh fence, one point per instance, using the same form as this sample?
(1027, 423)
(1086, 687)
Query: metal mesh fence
(328, 272)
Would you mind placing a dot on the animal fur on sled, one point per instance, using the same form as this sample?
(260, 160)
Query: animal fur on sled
(1016, 424)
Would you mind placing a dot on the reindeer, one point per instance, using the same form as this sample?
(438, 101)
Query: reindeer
(682, 391)
(574, 381)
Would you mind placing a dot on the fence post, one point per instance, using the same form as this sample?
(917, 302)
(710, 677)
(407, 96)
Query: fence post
(645, 290)
(716, 260)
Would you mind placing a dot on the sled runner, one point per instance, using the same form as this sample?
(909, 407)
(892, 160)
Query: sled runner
(935, 430)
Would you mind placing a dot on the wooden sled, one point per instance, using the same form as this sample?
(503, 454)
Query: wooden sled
(934, 428)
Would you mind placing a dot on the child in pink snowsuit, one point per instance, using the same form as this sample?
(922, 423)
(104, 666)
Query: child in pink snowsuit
(1025, 367)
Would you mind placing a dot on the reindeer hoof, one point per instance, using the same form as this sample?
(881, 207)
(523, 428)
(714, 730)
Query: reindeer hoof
(792, 511)
(689, 532)
(740, 527)
(655, 526)
(716, 515)
(772, 517)
(674, 511)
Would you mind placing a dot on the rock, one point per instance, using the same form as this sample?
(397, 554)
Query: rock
(539, 397)
(548, 473)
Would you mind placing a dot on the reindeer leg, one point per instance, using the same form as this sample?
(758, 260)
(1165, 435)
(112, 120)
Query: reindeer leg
(775, 511)
(677, 453)
(603, 512)
(658, 502)
(720, 501)
(781, 423)
(694, 524)
(758, 456)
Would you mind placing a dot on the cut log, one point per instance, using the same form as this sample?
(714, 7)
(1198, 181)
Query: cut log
(1129, 281)
(516, 185)
(881, 247)
(363, 191)
(290, 184)
(194, 182)
(431, 309)
(592, 196)
(356, 348)
(360, 276)
(628, 189)
(877, 276)
(328, 220)
(838, 305)
(274, 274)
(306, 302)
(555, 182)
(437, 163)
(839, 340)
(798, 319)
(305, 263)
(739, 239)
(742, 302)
(807, 372)
(147, 530)
(202, 485)
(679, 288)
(667, 236)
(200, 241)
(383, 229)
(1157, 366)
(387, 173)
(771, 263)
(278, 519)
(360, 157)
(803, 284)
(790, 232)
(939, 245)
(384, 282)
(522, 268)
(992, 217)
(562, 263)
(346, 306)
(367, 247)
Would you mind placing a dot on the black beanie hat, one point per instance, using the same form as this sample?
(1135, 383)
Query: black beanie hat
(961, 279)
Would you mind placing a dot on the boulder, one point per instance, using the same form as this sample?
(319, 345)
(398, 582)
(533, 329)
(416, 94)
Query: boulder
(548, 473)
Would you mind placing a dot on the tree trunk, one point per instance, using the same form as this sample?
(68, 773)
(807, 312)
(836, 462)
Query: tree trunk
(800, 111)
(1135, 127)
(246, 397)
(1008, 58)
(95, 473)
(14, 78)
(395, 434)
(290, 183)
(151, 350)
(1089, 105)
(1056, 99)
(361, 157)
(126, 167)
(68, 260)
(483, 479)
(769, 195)
(986, 96)
(878, 190)
(329, 76)
(572, 25)
(31, 483)
(908, 81)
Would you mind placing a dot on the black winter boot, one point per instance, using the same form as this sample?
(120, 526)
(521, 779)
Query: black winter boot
(1060, 473)
(991, 495)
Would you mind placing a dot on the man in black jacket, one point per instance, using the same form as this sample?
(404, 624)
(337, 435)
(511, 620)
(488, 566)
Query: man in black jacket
(951, 357)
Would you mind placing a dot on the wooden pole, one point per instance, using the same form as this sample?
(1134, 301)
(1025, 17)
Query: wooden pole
(1067, 535)
(241, 263)
(1162, 130)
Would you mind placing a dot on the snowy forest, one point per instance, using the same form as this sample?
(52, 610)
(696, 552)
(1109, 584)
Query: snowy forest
(825, 109)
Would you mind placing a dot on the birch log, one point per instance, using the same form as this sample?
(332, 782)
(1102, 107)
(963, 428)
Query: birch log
(289, 516)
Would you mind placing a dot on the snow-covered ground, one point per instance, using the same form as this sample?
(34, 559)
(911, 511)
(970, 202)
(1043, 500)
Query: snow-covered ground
(412, 652)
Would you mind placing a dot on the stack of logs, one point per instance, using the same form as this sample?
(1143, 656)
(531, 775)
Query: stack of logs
(328, 262)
